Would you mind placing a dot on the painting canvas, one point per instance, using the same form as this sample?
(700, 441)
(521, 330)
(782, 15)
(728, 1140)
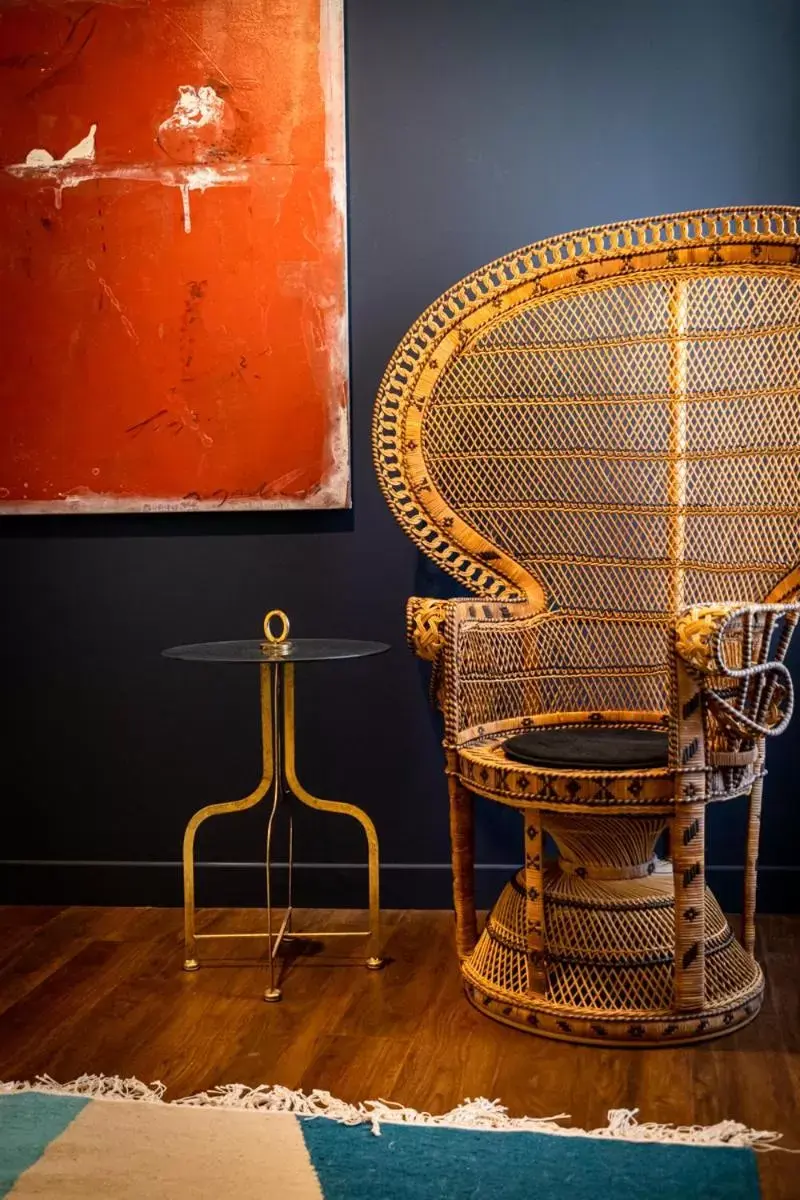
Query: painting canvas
(173, 307)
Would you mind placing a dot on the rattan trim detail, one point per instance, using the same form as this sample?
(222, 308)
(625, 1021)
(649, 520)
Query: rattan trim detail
(483, 767)
(612, 1031)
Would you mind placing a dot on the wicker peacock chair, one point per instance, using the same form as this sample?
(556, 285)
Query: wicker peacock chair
(599, 436)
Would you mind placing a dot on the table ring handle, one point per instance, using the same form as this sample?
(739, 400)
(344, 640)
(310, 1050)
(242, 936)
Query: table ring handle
(281, 637)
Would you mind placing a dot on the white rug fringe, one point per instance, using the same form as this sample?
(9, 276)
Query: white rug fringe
(94, 1087)
(471, 1114)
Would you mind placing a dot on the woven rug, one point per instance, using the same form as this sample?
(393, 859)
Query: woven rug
(118, 1138)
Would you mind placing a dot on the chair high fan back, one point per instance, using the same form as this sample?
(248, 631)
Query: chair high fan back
(610, 422)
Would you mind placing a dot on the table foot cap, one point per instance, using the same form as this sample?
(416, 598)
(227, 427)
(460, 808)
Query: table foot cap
(375, 964)
(191, 964)
(273, 995)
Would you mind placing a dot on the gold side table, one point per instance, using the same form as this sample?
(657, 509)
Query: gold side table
(276, 656)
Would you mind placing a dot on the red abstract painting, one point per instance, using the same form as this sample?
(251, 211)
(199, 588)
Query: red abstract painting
(173, 308)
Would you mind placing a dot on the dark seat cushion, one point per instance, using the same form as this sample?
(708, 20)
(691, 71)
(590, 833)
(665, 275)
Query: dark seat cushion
(589, 748)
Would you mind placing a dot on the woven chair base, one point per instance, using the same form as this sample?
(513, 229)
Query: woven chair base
(656, 1032)
(609, 964)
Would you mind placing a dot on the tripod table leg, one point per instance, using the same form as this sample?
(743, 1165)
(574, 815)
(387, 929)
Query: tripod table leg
(374, 960)
(190, 962)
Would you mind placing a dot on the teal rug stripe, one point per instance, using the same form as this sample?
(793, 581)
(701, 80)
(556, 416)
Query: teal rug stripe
(426, 1163)
(29, 1121)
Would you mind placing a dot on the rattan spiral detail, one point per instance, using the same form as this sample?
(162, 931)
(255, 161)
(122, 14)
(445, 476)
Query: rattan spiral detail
(599, 435)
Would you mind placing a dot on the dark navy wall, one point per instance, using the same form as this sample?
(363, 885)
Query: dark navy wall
(474, 128)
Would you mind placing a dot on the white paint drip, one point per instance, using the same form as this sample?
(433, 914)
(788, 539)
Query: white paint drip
(194, 178)
(198, 178)
(187, 211)
(78, 164)
(39, 160)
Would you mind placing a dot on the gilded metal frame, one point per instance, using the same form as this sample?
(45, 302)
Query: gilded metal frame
(279, 782)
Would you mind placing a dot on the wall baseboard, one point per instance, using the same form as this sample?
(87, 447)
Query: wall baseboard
(317, 885)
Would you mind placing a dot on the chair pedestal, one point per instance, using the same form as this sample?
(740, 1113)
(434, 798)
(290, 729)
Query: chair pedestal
(608, 973)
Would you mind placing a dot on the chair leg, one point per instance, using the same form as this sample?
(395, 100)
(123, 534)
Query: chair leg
(462, 847)
(688, 867)
(534, 901)
(751, 868)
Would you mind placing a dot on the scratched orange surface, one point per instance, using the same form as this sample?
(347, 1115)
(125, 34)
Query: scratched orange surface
(173, 300)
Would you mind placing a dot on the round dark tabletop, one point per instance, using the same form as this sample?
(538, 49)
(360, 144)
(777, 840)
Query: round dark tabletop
(295, 650)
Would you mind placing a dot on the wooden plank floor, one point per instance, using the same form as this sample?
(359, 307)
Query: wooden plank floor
(102, 990)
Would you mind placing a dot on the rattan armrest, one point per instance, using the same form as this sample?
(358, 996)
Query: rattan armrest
(432, 630)
(736, 652)
(427, 620)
